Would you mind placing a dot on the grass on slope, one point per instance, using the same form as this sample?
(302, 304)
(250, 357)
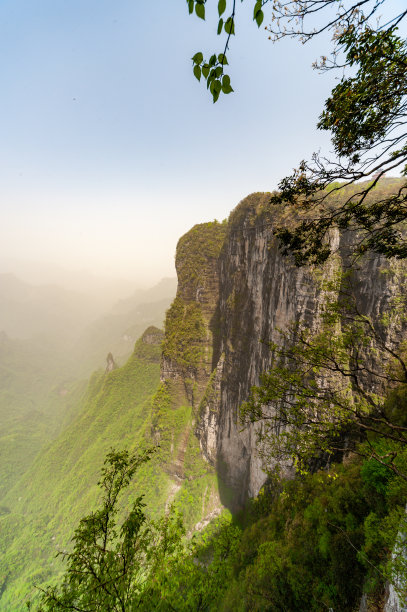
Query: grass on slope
(120, 410)
(60, 487)
(34, 396)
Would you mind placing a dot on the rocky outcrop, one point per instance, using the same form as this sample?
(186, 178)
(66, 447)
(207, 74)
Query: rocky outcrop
(110, 363)
(152, 335)
(191, 344)
(235, 292)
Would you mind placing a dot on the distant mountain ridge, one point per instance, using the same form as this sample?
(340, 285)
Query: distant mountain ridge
(117, 331)
(29, 310)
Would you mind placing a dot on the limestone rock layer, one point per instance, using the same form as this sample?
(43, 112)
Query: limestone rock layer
(235, 292)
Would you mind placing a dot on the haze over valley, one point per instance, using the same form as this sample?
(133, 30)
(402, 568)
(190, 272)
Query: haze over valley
(203, 297)
(51, 340)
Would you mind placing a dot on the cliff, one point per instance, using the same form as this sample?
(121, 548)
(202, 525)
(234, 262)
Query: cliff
(235, 292)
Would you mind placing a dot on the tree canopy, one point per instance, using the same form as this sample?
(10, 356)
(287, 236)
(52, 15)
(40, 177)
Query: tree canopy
(113, 562)
(365, 114)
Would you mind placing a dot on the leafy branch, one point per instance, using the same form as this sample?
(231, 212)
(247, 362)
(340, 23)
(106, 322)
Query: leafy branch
(326, 391)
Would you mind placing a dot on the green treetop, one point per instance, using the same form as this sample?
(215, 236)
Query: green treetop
(365, 114)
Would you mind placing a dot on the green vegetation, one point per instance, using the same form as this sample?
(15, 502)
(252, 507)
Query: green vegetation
(313, 543)
(197, 251)
(110, 562)
(42, 376)
(129, 409)
(185, 333)
(325, 392)
(60, 486)
(316, 543)
(148, 347)
(36, 395)
(365, 114)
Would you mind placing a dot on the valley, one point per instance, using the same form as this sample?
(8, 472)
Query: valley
(180, 391)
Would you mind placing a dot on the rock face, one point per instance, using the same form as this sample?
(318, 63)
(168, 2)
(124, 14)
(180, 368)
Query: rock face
(153, 336)
(235, 291)
(110, 363)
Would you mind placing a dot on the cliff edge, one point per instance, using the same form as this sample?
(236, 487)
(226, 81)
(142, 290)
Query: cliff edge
(235, 292)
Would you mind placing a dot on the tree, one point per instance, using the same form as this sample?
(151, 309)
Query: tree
(327, 391)
(365, 113)
(111, 567)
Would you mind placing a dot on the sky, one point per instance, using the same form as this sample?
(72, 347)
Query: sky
(110, 149)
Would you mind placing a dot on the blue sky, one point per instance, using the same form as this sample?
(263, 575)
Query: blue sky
(111, 150)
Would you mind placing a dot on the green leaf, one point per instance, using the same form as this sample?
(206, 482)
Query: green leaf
(226, 89)
(212, 60)
(191, 6)
(216, 88)
(205, 70)
(222, 59)
(221, 7)
(212, 74)
(198, 58)
(257, 8)
(226, 80)
(197, 72)
(200, 10)
(230, 26)
(210, 77)
(220, 26)
(217, 85)
(259, 18)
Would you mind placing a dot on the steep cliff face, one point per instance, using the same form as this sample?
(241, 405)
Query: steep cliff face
(191, 344)
(234, 299)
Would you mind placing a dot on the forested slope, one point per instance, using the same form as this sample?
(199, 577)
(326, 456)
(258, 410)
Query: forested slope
(122, 409)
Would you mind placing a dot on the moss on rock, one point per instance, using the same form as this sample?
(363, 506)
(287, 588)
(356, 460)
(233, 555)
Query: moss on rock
(185, 334)
(196, 249)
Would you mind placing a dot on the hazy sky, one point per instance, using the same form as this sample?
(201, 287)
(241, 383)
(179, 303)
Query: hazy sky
(111, 150)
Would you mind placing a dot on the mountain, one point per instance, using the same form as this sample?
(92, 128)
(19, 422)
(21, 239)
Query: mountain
(181, 393)
(236, 292)
(35, 395)
(47, 349)
(28, 310)
(125, 407)
(62, 315)
(163, 290)
(117, 330)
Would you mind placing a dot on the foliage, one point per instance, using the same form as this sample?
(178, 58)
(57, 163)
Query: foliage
(126, 408)
(326, 390)
(309, 550)
(109, 564)
(60, 486)
(148, 347)
(185, 333)
(365, 114)
(196, 250)
(318, 542)
(168, 422)
(196, 579)
(36, 395)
